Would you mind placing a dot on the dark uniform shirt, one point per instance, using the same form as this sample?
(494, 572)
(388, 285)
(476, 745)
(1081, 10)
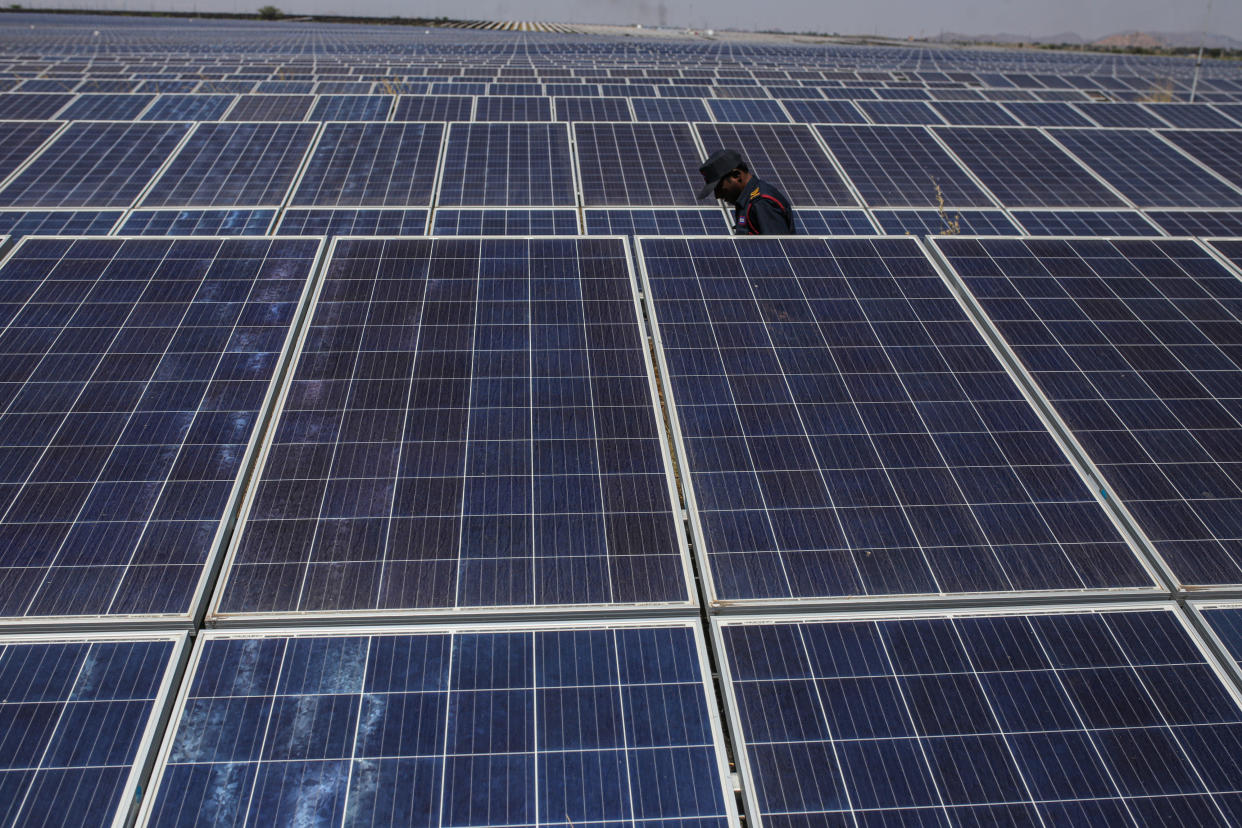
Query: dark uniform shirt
(762, 210)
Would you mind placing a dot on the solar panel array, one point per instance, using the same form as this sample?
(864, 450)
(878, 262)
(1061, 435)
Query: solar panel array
(501, 486)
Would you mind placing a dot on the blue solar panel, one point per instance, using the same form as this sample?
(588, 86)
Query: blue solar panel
(1198, 222)
(507, 165)
(743, 110)
(588, 726)
(106, 107)
(519, 222)
(19, 140)
(225, 165)
(18, 223)
(824, 112)
(847, 431)
(664, 158)
(134, 374)
(433, 108)
(352, 108)
(901, 167)
(1085, 223)
(1135, 343)
(512, 108)
(271, 108)
(371, 165)
(1047, 114)
(593, 109)
(1065, 718)
(1218, 151)
(1191, 116)
(197, 223)
(974, 113)
(833, 223)
(669, 109)
(785, 155)
(1119, 115)
(474, 421)
(94, 165)
(678, 222)
(18, 106)
(899, 112)
(77, 720)
(1023, 168)
(934, 222)
(188, 108)
(353, 223)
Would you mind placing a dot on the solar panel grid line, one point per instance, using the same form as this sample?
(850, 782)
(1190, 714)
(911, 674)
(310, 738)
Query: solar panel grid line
(701, 548)
(604, 724)
(147, 741)
(886, 790)
(1114, 502)
(221, 617)
(210, 567)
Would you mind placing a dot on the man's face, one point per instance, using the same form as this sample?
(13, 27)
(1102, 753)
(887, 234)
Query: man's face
(730, 187)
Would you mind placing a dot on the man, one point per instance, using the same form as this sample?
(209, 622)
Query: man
(758, 207)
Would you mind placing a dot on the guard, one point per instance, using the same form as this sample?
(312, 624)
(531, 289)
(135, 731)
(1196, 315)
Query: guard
(759, 209)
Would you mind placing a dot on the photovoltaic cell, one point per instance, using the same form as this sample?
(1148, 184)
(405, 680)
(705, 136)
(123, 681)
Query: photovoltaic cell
(899, 112)
(1120, 115)
(448, 222)
(1084, 223)
(1023, 168)
(1136, 345)
(353, 223)
(1219, 151)
(106, 107)
(744, 110)
(833, 223)
(509, 165)
(669, 109)
(974, 113)
(516, 727)
(188, 108)
(1198, 222)
(18, 106)
(1066, 718)
(352, 108)
(134, 372)
(901, 167)
(663, 157)
(1047, 114)
(18, 223)
(225, 165)
(197, 223)
(847, 431)
(433, 108)
(94, 165)
(593, 109)
(78, 715)
(371, 165)
(271, 108)
(512, 108)
(1191, 116)
(470, 423)
(932, 222)
(19, 140)
(787, 156)
(824, 112)
(680, 222)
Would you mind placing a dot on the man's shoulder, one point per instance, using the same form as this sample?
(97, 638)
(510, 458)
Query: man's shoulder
(760, 187)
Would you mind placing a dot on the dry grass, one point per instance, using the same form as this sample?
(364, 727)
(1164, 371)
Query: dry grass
(949, 225)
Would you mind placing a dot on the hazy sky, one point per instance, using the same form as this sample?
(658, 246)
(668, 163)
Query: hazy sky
(1090, 18)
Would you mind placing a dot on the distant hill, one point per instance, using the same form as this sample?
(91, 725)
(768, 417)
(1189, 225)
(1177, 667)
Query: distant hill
(1121, 40)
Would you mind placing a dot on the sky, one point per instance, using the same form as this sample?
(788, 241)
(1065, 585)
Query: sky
(898, 18)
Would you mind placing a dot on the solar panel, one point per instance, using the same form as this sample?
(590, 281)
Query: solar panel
(824, 112)
(593, 109)
(135, 374)
(511, 222)
(520, 726)
(19, 140)
(1084, 223)
(669, 109)
(512, 108)
(94, 165)
(1023, 168)
(1119, 115)
(18, 223)
(225, 165)
(901, 167)
(352, 108)
(78, 719)
(353, 223)
(974, 113)
(1218, 151)
(1198, 222)
(709, 221)
(474, 421)
(197, 223)
(1047, 114)
(106, 107)
(747, 110)
(833, 223)
(19, 106)
(1134, 344)
(953, 222)
(371, 165)
(433, 108)
(899, 112)
(846, 431)
(785, 155)
(662, 160)
(512, 165)
(1190, 116)
(1146, 170)
(1081, 717)
(188, 108)
(271, 108)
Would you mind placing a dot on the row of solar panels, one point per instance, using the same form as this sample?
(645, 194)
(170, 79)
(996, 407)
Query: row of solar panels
(180, 165)
(472, 423)
(1122, 715)
(853, 106)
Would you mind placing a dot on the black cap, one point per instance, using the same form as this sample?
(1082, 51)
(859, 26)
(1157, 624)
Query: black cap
(720, 164)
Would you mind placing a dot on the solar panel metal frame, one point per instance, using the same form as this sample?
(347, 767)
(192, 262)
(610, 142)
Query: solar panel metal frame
(1195, 609)
(217, 619)
(144, 760)
(716, 606)
(159, 758)
(211, 566)
(718, 623)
